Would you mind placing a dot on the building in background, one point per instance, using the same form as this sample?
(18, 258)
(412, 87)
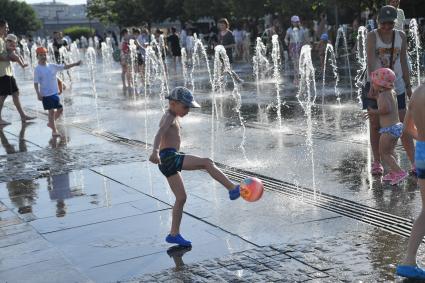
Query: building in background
(56, 16)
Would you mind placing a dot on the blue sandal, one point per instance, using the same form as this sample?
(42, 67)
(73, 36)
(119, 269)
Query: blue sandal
(410, 271)
(179, 240)
(235, 193)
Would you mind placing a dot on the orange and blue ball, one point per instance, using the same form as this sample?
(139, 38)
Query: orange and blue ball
(251, 189)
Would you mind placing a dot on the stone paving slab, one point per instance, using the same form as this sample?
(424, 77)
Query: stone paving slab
(27, 257)
(344, 257)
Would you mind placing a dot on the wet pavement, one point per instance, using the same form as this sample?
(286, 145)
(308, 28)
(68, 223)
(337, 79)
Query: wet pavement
(89, 207)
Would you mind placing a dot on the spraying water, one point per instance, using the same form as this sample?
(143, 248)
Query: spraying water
(221, 68)
(414, 49)
(50, 53)
(106, 51)
(260, 62)
(276, 76)
(184, 67)
(341, 33)
(261, 66)
(34, 60)
(361, 59)
(26, 53)
(76, 56)
(91, 64)
(307, 97)
(198, 51)
(330, 50)
(133, 66)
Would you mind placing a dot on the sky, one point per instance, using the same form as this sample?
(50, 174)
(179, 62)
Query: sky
(69, 2)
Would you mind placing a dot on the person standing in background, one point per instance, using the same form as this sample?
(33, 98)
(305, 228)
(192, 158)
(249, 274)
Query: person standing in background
(399, 23)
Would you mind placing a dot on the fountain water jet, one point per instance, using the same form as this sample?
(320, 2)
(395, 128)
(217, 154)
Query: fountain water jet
(330, 50)
(276, 75)
(414, 49)
(341, 33)
(307, 97)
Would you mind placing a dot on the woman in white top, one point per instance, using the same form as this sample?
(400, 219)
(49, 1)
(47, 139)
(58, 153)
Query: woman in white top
(379, 47)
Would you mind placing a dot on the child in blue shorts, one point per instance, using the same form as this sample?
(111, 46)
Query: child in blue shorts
(415, 126)
(46, 86)
(171, 161)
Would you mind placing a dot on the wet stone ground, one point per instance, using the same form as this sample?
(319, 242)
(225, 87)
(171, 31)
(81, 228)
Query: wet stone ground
(89, 207)
(341, 258)
(44, 162)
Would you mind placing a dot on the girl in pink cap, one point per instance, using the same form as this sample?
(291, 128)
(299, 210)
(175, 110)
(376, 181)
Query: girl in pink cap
(390, 127)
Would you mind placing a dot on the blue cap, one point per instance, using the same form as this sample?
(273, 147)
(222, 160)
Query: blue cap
(183, 95)
(324, 36)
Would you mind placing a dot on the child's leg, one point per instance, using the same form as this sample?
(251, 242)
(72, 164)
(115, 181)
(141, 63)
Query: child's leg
(123, 74)
(58, 113)
(387, 145)
(407, 140)
(2, 99)
(51, 123)
(418, 230)
(192, 162)
(18, 106)
(177, 186)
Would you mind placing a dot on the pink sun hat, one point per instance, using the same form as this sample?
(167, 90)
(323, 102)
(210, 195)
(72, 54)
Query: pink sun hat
(383, 77)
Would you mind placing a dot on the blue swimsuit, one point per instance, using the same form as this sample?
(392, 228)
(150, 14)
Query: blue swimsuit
(394, 130)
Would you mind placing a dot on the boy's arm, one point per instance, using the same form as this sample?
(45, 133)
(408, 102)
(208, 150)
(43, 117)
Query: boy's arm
(69, 66)
(37, 90)
(168, 120)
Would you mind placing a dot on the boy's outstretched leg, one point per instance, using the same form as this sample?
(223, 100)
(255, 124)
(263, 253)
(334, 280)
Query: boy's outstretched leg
(192, 162)
(176, 184)
(409, 269)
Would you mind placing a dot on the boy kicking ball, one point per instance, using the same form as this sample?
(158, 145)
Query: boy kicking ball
(170, 161)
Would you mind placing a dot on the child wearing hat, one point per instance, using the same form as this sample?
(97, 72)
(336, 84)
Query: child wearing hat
(11, 41)
(323, 44)
(166, 153)
(46, 86)
(295, 38)
(391, 128)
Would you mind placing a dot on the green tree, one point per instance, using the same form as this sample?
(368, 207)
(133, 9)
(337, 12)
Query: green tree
(103, 10)
(20, 16)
